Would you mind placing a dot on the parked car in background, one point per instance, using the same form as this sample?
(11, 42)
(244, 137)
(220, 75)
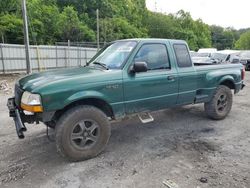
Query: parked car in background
(224, 56)
(207, 50)
(193, 53)
(203, 55)
(244, 58)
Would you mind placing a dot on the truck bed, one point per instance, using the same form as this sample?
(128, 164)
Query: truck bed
(205, 67)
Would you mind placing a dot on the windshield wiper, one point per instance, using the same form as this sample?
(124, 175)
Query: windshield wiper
(101, 64)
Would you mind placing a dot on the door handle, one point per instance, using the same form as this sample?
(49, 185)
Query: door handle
(170, 77)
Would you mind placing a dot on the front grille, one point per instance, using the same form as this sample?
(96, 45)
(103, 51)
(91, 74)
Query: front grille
(18, 95)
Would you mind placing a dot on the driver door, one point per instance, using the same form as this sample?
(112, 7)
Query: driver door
(155, 89)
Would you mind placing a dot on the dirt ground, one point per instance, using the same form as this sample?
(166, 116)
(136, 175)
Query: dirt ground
(181, 146)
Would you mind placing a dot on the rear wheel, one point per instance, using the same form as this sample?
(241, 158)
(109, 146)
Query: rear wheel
(82, 133)
(220, 104)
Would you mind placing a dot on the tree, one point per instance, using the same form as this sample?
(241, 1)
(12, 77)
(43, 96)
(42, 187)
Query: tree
(160, 26)
(43, 19)
(57, 20)
(118, 28)
(196, 33)
(223, 38)
(203, 33)
(10, 6)
(179, 26)
(72, 29)
(11, 29)
(244, 42)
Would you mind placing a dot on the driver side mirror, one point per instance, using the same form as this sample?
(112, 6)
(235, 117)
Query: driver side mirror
(139, 66)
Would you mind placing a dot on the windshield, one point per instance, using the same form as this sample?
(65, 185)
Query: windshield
(219, 56)
(114, 55)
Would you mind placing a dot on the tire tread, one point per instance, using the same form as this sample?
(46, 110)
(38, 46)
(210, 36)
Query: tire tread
(210, 107)
(62, 122)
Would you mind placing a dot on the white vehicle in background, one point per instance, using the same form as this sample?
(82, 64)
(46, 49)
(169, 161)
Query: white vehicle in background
(244, 58)
(203, 56)
(207, 50)
(224, 56)
(193, 53)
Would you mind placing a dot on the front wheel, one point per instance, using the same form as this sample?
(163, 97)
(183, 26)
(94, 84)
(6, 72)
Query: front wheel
(82, 133)
(220, 104)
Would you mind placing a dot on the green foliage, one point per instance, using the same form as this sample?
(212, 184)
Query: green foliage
(43, 21)
(179, 26)
(9, 6)
(244, 42)
(11, 28)
(118, 28)
(160, 26)
(223, 38)
(196, 33)
(72, 29)
(75, 20)
(241, 31)
(203, 34)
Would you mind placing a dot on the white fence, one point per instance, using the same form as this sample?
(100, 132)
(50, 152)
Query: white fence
(12, 57)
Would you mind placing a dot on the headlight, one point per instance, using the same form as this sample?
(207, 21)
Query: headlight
(31, 99)
(31, 102)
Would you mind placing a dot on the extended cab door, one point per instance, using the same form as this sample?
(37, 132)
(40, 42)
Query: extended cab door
(155, 89)
(187, 74)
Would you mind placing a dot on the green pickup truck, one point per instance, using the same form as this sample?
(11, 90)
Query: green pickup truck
(127, 77)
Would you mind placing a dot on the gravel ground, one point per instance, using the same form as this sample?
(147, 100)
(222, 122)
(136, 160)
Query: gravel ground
(182, 147)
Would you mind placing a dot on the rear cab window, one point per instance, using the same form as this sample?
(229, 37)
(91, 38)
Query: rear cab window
(182, 55)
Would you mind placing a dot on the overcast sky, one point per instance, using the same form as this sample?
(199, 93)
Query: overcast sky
(226, 13)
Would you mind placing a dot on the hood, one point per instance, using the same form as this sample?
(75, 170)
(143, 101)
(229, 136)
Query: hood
(79, 75)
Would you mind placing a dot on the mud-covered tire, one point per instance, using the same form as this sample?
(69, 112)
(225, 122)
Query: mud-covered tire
(220, 104)
(82, 133)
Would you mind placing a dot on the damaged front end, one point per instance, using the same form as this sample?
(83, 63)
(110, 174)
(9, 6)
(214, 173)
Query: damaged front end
(19, 115)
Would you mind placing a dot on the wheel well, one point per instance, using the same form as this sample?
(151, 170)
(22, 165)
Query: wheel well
(228, 83)
(98, 103)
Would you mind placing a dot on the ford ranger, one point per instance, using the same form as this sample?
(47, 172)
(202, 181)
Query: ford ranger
(127, 77)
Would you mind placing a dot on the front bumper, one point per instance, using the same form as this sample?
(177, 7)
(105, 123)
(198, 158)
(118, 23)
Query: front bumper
(20, 118)
(15, 113)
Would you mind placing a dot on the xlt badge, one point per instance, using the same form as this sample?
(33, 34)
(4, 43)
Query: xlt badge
(114, 86)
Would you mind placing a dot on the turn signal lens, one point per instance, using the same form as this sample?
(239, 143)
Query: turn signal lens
(29, 108)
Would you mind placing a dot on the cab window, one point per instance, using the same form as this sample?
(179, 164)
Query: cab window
(155, 55)
(182, 55)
